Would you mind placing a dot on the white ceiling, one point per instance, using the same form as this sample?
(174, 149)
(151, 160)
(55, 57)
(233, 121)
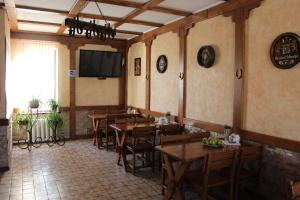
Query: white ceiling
(152, 16)
(53, 4)
(108, 10)
(134, 27)
(190, 5)
(31, 15)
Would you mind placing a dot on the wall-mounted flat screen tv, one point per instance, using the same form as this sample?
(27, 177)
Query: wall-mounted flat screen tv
(100, 64)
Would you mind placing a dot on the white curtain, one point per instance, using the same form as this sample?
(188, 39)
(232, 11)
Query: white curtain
(32, 73)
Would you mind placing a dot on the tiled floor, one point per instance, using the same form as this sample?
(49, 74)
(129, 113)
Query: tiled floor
(77, 170)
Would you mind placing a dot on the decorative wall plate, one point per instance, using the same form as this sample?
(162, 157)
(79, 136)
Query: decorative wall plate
(162, 64)
(206, 56)
(285, 51)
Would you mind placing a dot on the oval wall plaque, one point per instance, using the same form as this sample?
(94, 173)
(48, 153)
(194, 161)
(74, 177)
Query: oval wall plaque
(162, 63)
(285, 51)
(206, 56)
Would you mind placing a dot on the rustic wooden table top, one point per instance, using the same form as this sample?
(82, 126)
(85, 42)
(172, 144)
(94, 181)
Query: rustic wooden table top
(191, 151)
(127, 127)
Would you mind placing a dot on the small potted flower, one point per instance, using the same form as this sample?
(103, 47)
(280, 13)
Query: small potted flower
(53, 105)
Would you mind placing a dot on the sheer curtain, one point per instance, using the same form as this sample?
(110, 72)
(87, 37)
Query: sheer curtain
(32, 73)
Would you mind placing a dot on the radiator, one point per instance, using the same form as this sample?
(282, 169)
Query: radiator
(41, 129)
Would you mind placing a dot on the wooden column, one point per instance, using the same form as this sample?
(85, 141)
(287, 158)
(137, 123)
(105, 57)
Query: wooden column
(182, 33)
(126, 75)
(123, 79)
(72, 115)
(148, 44)
(240, 16)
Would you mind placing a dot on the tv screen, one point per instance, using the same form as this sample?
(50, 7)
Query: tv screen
(100, 63)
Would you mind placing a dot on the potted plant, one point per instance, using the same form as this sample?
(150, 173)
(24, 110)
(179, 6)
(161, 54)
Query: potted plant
(34, 103)
(55, 122)
(53, 104)
(20, 120)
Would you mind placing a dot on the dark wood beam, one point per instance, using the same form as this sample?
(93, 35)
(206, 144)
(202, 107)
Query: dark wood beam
(148, 44)
(138, 11)
(78, 6)
(116, 43)
(140, 6)
(39, 23)
(90, 16)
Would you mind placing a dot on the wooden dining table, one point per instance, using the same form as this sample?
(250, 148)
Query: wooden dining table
(96, 120)
(185, 154)
(122, 130)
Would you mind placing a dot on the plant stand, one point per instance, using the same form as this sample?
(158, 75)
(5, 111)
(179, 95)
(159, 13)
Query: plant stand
(28, 144)
(56, 139)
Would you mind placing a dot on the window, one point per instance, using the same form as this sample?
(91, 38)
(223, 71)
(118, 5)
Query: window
(32, 73)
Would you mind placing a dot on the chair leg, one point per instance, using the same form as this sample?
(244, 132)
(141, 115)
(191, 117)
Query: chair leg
(106, 141)
(153, 161)
(231, 190)
(133, 165)
(163, 181)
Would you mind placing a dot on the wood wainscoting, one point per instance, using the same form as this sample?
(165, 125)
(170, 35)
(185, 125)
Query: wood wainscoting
(271, 140)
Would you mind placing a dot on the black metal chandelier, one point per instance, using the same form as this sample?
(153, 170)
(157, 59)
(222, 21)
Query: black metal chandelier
(91, 28)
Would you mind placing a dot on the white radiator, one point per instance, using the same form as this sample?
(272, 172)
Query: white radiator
(42, 130)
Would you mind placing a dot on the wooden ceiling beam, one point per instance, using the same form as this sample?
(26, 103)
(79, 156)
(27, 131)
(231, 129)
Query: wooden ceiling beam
(140, 6)
(91, 16)
(58, 25)
(10, 7)
(150, 4)
(78, 6)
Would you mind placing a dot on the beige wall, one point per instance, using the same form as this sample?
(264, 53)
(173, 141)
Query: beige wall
(4, 33)
(272, 96)
(136, 84)
(91, 91)
(210, 91)
(164, 86)
(63, 82)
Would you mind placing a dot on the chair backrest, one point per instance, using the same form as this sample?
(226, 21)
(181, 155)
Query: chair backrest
(179, 138)
(295, 190)
(250, 155)
(169, 129)
(220, 161)
(143, 132)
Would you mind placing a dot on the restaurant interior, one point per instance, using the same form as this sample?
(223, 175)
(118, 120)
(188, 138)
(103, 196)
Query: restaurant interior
(149, 99)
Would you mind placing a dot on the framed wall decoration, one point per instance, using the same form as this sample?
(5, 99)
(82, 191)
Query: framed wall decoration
(206, 56)
(162, 63)
(285, 51)
(137, 66)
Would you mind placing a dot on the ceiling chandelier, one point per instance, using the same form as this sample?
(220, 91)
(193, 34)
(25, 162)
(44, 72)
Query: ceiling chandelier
(91, 28)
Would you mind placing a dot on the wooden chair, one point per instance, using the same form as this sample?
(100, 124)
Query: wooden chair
(174, 139)
(249, 165)
(142, 142)
(169, 129)
(295, 190)
(218, 170)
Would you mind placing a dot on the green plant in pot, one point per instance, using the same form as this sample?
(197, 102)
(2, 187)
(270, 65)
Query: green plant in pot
(20, 120)
(34, 103)
(53, 104)
(55, 122)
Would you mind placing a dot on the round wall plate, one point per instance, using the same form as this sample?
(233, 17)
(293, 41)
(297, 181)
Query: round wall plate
(162, 64)
(285, 51)
(206, 56)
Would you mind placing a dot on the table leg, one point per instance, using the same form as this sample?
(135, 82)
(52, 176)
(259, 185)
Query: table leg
(175, 179)
(121, 148)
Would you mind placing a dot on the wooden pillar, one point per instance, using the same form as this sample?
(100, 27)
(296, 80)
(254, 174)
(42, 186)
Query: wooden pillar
(126, 75)
(123, 79)
(72, 115)
(148, 44)
(240, 16)
(182, 33)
